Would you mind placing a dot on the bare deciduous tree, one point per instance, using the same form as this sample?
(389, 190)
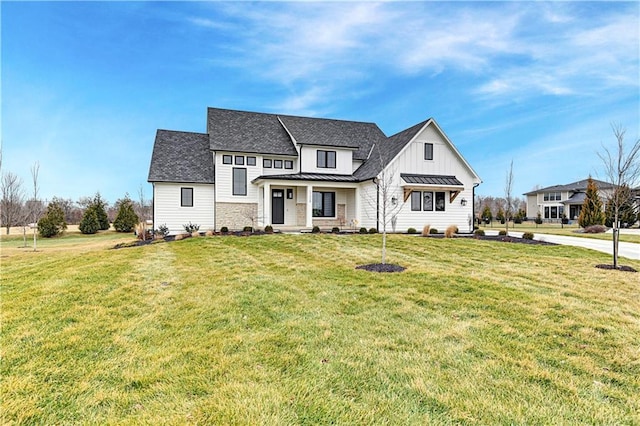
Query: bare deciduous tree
(621, 169)
(508, 196)
(12, 202)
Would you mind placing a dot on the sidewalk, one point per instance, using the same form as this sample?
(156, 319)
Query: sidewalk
(628, 250)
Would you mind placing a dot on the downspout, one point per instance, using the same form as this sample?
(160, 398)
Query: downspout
(473, 203)
(375, 180)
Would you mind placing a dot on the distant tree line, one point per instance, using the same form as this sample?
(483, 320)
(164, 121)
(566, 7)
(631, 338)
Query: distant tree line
(489, 209)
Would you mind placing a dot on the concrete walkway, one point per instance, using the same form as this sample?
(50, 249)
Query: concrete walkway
(628, 250)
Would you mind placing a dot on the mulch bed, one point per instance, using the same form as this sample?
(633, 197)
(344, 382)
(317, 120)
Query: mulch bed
(506, 239)
(619, 268)
(382, 267)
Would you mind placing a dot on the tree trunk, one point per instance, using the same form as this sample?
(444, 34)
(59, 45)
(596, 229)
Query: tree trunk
(615, 240)
(384, 245)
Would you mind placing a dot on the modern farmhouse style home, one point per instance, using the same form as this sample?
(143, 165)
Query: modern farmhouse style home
(257, 169)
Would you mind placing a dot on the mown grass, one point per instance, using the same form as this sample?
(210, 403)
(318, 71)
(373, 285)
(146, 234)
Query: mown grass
(281, 329)
(557, 229)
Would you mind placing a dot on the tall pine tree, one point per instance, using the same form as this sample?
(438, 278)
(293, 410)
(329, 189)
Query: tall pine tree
(591, 213)
(100, 208)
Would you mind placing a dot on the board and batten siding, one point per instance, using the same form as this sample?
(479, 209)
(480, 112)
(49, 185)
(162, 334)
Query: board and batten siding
(168, 211)
(224, 178)
(309, 160)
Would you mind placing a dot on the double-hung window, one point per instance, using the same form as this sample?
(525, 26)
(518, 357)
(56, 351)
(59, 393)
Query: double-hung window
(239, 181)
(324, 204)
(186, 197)
(428, 151)
(416, 201)
(326, 159)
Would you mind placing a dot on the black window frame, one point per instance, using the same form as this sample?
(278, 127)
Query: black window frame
(277, 164)
(416, 201)
(239, 160)
(320, 212)
(427, 207)
(288, 164)
(267, 163)
(251, 161)
(227, 159)
(184, 190)
(437, 196)
(428, 151)
(325, 159)
(239, 188)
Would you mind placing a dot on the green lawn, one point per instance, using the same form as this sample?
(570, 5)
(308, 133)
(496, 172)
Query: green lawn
(281, 329)
(557, 229)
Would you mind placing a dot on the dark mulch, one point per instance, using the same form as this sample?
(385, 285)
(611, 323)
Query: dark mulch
(619, 268)
(382, 267)
(506, 239)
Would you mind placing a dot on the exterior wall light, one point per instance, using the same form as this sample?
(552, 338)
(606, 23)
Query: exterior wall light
(394, 201)
(463, 202)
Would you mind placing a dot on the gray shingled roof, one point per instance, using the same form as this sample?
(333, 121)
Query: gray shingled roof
(334, 133)
(431, 179)
(181, 157)
(385, 151)
(580, 185)
(241, 131)
(309, 176)
(577, 198)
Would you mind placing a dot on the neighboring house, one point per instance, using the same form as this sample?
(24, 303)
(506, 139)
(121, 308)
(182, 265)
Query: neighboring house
(554, 201)
(257, 169)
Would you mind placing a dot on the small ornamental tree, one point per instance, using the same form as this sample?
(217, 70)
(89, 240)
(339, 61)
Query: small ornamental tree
(500, 215)
(487, 216)
(100, 207)
(89, 223)
(127, 218)
(591, 213)
(52, 223)
(626, 208)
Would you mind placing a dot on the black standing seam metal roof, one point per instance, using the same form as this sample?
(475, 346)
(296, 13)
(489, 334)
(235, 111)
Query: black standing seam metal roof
(308, 176)
(181, 157)
(431, 179)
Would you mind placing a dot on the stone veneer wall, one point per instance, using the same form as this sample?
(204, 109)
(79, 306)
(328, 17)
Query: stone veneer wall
(339, 221)
(301, 214)
(236, 216)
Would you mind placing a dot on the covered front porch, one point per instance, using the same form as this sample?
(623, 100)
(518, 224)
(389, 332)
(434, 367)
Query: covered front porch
(292, 205)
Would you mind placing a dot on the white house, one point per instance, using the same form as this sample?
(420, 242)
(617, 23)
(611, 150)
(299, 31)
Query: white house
(555, 201)
(257, 169)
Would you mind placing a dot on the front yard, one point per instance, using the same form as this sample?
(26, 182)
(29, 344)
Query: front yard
(282, 329)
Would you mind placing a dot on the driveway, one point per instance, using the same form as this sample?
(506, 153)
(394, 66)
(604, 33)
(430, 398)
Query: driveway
(628, 250)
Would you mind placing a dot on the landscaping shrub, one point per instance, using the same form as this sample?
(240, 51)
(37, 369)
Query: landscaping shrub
(433, 231)
(595, 229)
(126, 218)
(179, 237)
(335, 230)
(52, 223)
(141, 230)
(316, 229)
(191, 227)
(502, 232)
(210, 233)
(412, 231)
(539, 219)
(247, 229)
(373, 231)
(363, 230)
(451, 231)
(478, 233)
(162, 230)
(224, 229)
(89, 223)
(268, 229)
(100, 207)
(426, 230)
(528, 235)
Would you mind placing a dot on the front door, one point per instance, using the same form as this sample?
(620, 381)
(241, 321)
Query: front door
(277, 206)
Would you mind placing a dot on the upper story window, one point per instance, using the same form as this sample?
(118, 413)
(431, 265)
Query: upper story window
(552, 196)
(277, 164)
(428, 151)
(239, 160)
(251, 161)
(288, 164)
(186, 197)
(326, 159)
(266, 163)
(239, 181)
(226, 159)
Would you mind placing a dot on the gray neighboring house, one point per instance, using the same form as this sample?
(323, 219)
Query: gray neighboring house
(554, 201)
(258, 169)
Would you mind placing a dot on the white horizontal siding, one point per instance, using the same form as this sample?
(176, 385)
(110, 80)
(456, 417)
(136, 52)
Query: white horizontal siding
(167, 210)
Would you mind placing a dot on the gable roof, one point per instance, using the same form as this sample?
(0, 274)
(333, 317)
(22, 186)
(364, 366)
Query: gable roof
(357, 135)
(181, 157)
(243, 131)
(578, 186)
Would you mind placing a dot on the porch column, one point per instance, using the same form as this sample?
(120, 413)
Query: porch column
(357, 205)
(309, 222)
(266, 205)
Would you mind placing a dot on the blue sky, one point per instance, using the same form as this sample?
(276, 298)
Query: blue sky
(86, 85)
